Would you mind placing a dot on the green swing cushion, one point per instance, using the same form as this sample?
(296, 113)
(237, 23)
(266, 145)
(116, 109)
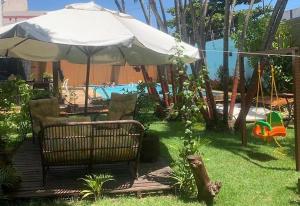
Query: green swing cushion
(275, 119)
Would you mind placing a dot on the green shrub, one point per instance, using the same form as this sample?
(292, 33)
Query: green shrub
(9, 180)
(14, 116)
(146, 105)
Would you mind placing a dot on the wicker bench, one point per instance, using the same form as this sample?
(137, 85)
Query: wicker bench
(90, 143)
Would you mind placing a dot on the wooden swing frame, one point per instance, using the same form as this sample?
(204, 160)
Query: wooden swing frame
(294, 51)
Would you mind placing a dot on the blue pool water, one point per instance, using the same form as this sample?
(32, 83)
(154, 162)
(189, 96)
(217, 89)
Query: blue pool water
(106, 91)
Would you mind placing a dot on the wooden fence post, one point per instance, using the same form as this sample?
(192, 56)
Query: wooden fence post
(296, 73)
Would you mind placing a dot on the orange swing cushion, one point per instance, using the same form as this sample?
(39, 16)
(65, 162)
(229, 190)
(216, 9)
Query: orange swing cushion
(276, 131)
(264, 130)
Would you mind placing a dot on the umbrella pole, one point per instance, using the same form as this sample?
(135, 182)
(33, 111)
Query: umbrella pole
(87, 82)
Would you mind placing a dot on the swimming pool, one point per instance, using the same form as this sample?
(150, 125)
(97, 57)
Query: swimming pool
(106, 91)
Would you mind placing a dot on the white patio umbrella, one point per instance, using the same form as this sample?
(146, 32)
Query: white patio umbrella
(85, 32)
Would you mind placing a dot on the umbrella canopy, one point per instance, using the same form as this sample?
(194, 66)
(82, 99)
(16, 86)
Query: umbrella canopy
(86, 32)
(80, 29)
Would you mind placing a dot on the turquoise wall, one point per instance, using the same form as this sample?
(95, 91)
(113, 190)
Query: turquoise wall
(214, 56)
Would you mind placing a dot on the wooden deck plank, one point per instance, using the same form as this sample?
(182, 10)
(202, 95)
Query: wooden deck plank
(64, 181)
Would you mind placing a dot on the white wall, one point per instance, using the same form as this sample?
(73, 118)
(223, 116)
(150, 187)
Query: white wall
(291, 14)
(15, 5)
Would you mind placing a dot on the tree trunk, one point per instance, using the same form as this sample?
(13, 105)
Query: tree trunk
(151, 90)
(157, 16)
(147, 17)
(174, 85)
(164, 85)
(55, 69)
(242, 88)
(241, 44)
(199, 35)
(163, 13)
(207, 189)
(209, 95)
(123, 6)
(177, 16)
(231, 13)
(119, 6)
(268, 39)
(182, 10)
(225, 63)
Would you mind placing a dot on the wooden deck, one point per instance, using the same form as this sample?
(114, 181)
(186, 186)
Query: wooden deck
(65, 181)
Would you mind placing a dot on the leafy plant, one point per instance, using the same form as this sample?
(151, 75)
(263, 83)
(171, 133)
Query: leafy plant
(146, 105)
(283, 71)
(14, 118)
(94, 185)
(41, 94)
(254, 40)
(255, 32)
(9, 180)
(47, 76)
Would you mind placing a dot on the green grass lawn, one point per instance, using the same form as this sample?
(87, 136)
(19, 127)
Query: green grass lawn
(253, 175)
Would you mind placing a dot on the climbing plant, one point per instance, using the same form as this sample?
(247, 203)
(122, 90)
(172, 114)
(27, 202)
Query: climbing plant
(189, 113)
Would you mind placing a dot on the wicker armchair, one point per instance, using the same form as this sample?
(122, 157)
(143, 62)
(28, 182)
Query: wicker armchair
(46, 111)
(90, 143)
(39, 109)
(121, 107)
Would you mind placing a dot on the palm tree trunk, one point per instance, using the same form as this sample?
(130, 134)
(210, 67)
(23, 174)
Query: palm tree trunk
(199, 35)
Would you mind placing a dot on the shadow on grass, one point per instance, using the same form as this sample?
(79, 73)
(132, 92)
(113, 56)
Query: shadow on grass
(262, 157)
(256, 152)
(295, 190)
(35, 202)
(165, 154)
(188, 200)
(252, 152)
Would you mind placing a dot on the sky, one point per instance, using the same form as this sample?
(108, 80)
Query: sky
(131, 7)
